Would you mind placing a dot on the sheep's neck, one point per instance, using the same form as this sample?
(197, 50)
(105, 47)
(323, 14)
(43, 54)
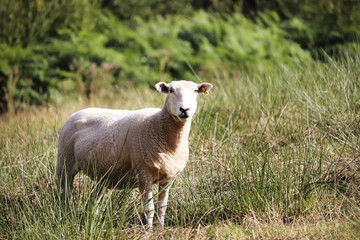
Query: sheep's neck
(174, 132)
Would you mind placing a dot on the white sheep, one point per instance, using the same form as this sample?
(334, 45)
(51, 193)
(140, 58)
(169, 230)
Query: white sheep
(138, 148)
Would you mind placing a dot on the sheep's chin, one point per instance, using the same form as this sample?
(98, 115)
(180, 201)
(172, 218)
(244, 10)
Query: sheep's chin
(181, 119)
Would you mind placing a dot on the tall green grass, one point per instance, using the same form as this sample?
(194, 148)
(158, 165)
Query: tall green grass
(281, 146)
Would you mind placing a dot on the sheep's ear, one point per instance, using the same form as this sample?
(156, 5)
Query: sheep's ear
(162, 87)
(204, 88)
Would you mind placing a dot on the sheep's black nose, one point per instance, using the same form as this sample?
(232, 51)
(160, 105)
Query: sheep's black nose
(184, 110)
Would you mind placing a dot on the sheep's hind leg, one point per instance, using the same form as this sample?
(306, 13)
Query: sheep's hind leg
(162, 202)
(145, 188)
(65, 181)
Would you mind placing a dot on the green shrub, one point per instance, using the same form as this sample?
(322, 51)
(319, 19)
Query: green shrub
(160, 49)
(146, 9)
(24, 22)
(29, 68)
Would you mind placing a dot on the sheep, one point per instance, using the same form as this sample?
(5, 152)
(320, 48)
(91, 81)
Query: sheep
(132, 148)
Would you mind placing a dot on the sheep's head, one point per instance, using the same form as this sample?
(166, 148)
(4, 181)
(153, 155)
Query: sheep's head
(181, 97)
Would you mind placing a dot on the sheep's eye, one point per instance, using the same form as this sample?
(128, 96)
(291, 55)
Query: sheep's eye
(171, 91)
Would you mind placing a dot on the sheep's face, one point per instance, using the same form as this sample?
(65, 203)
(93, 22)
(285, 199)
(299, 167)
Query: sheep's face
(181, 100)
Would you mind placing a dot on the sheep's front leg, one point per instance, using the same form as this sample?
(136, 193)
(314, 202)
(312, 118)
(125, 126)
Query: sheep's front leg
(162, 201)
(145, 188)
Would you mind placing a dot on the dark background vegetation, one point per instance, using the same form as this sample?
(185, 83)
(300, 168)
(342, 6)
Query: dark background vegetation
(50, 49)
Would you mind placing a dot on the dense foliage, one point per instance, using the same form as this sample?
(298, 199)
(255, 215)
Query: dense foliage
(56, 48)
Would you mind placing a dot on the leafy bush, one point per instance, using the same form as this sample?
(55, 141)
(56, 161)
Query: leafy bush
(29, 68)
(146, 9)
(331, 22)
(24, 22)
(160, 49)
(41, 42)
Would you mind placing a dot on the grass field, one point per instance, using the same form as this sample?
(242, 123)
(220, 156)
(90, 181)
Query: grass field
(272, 155)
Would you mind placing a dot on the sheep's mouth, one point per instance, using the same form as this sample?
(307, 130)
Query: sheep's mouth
(183, 116)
